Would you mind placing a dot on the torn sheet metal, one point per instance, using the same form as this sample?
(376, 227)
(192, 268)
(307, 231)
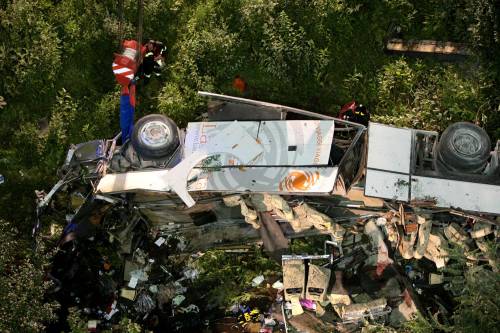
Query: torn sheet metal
(293, 142)
(467, 196)
(174, 180)
(356, 312)
(387, 185)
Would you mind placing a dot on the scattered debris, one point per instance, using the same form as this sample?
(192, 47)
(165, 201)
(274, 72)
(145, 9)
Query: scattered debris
(137, 255)
(256, 281)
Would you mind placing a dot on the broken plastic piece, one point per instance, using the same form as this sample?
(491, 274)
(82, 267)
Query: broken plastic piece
(480, 230)
(177, 300)
(113, 311)
(356, 312)
(309, 304)
(159, 242)
(339, 295)
(133, 282)
(191, 274)
(381, 259)
(424, 230)
(455, 234)
(174, 179)
(136, 276)
(436, 250)
(92, 325)
(278, 285)
(191, 308)
(381, 221)
(406, 245)
(320, 310)
(128, 294)
(405, 311)
(436, 278)
(296, 307)
(257, 280)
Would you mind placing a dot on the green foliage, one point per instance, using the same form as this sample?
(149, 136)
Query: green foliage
(30, 54)
(179, 103)
(103, 121)
(226, 278)
(76, 323)
(22, 285)
(478, 307)
(57, 87)
(422, 95)
(127, 325)
(419, 325)
(308, 245)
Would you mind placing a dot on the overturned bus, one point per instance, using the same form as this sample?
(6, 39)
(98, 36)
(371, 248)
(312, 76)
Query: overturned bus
(245, 146)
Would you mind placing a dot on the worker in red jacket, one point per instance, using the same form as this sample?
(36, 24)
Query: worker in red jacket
(152, 62)
(130, 66)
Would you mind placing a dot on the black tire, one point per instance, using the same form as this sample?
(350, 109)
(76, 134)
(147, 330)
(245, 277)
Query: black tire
(464, 147)
(155, 136)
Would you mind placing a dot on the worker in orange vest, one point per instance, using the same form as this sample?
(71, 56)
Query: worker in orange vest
(128, 67)
(239, 84)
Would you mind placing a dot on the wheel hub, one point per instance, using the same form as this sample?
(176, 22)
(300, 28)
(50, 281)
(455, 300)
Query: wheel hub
(466, 144)
(155, 133)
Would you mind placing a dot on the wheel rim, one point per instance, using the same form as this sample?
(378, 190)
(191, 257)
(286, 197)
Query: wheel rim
(155, 134)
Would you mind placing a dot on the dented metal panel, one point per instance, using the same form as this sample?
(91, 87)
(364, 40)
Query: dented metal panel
(389, 148)
(388, 163)
(266, 143)
(387, 185)
(240, 138)
(457, 194)
(296, 142)
(282, 180)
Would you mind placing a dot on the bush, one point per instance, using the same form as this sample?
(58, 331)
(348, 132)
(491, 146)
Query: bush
(22, 285)
(427, 95)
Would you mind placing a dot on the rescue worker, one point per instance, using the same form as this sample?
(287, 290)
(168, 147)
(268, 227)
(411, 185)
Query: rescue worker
(239, 84)
(361, 115)
(357, 113)
(127, 71)
(127, 110)
(152, 62)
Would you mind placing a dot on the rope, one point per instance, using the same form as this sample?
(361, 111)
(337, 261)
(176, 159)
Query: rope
(120, 23)
(140, 7)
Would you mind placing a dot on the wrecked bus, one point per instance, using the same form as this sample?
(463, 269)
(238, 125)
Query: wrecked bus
(260, 172)
(247, 146)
